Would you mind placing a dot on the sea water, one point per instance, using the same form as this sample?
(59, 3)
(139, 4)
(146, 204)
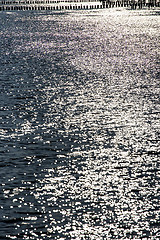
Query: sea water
(79, 122)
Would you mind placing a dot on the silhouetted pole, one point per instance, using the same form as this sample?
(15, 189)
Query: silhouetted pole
(105, 3)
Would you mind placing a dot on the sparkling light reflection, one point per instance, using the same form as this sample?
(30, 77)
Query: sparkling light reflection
(79, 136)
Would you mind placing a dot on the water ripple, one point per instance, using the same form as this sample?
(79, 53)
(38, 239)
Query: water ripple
(79, 113)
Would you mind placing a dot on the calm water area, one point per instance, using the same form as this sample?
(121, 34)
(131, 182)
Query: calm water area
(79, 123)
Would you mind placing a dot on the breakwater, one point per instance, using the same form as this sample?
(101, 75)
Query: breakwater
(6, 5)
(50, 5)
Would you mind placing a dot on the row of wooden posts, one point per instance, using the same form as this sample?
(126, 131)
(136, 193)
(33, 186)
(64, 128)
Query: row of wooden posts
(49, 7)
(134, 4)
(46, 7)
(75, 5)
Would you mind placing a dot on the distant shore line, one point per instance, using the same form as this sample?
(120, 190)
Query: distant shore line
(31, 5)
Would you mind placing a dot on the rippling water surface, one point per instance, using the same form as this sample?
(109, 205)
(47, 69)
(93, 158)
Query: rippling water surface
(79, 121)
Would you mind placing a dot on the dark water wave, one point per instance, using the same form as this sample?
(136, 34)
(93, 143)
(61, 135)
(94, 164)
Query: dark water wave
(79, 112)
